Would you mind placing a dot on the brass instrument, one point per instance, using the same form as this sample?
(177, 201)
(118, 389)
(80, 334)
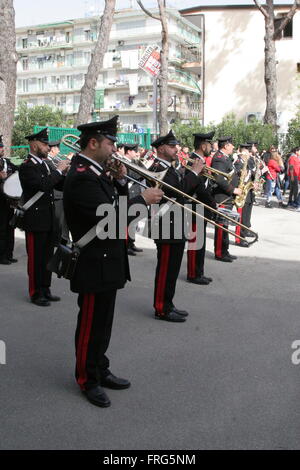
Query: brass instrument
(210, 172)
(240, 200)
(157, 179)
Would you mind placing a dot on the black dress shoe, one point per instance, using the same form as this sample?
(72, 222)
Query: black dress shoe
(250, 235)
(242, 244)
(5, 261)
(13, 260)
(199, 280)
(98, 397)
(210, 279)
(183, 313)
(232, 256)
(171, 316)
(130, 252)
(226, 259)
(52, 298)
(136, 249)
(116, 383)
(41, 301)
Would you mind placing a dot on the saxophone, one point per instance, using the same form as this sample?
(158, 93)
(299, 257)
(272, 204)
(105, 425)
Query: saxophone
(243, 186)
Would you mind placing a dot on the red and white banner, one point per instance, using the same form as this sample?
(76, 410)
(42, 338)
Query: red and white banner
(150, 61)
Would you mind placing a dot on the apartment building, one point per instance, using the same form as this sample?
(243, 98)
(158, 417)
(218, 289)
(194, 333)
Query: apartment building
(233, 72)
(54, 59)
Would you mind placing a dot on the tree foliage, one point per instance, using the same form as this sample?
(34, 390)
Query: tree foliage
(27, 118)
(230, 125)
(293, 135)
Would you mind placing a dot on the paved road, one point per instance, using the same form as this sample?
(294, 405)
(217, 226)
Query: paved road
(224, 379)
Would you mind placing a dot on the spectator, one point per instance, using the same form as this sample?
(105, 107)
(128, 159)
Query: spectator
(183, 155)
(275, 167)
(294, 174)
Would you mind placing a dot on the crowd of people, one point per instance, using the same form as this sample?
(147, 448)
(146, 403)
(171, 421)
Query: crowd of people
(60, 203)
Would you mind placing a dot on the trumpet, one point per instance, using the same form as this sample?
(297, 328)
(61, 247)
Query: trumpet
(210, 172)
(157, 179)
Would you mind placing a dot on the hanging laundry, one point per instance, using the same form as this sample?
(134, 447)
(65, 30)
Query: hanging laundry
(134, 59)
(125, 58)
(108, 60)
(133, 84)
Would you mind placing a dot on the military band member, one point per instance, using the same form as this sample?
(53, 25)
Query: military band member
(7, 237)
(102, 266)
(170, 250)
(60, 231)
(245, 211)
(195, 258)
(134, 189)
(223, 193)
(37, 176)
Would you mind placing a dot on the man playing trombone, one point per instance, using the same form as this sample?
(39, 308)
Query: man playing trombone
(102, 266)
(170, 250)
(224, 192)
(195, 258)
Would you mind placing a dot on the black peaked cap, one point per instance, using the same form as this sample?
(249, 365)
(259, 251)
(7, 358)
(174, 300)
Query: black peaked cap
(168, 139)
(42, 136)
(108, 128)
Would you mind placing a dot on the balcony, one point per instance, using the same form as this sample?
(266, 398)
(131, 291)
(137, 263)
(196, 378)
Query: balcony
(46, 46)
(141, 106)
(49, 90)
(184, 82)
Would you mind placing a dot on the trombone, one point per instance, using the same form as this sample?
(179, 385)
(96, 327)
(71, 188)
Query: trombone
(157, 178)
(210, 172)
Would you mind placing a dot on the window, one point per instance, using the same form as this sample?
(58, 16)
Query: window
(87, 35)
(25, 63)
(287, 31)
(298, 67)
(25, 85)
(41, 82)
(25, 43)
(70, 82)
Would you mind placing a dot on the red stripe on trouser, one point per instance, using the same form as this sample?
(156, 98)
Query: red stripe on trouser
(219, 243)
(238, 228)
(162, 278)
(84, 337)
(191, 255)
(31, 272)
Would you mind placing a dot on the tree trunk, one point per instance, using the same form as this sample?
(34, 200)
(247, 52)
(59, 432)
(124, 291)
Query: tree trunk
(163, 78)
(270, 68)
(270, 55)
(8, 71)
(88, 90)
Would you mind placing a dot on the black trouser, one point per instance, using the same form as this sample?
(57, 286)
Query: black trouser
(40, 248)
(169, 258)
(221, 241)
(245, 219)
(294, 190)
(7, 233)
(196, 258)
(92, 337)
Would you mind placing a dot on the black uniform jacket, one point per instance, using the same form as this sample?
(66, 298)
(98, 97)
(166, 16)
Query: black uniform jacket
(135, 189)
(10, 168)
(203, 191)
(186, 184)
(223, 188)
(35, 177)
(102, 264)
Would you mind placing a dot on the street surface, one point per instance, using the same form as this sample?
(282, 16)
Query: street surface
(224, 379)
